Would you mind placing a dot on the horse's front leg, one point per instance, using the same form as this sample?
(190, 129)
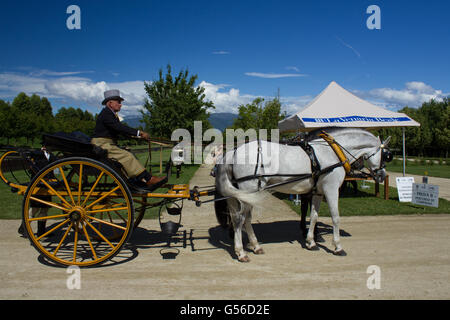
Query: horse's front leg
(315, 206)
(333, 204)
(254, 245)
(238, 219)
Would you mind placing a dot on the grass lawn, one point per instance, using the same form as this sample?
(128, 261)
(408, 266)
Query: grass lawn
(364, 203)
(430, 170)
(11, 203)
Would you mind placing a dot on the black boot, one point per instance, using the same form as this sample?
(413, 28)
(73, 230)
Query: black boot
(41, 228)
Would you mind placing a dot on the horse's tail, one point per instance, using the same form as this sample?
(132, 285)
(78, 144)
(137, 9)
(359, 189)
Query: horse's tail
(225, 187)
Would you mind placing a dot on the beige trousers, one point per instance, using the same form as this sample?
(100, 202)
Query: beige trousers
(129, 162)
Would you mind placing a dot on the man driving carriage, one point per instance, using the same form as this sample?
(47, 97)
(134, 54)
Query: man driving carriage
(107, 130)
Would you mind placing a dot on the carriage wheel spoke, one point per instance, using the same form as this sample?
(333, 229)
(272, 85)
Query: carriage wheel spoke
(80, 183)
(107, 223)
(89, 241)
(120, 216)
(99, 234)
(107, 210)
(93, 188)
(48, 217)
(63, 238)
(75, 243)
(56, 193)
(53, 229)
(50, 204)
(102, 197)
(66, 184)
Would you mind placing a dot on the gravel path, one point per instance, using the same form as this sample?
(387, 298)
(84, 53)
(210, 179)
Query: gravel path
(411, 253)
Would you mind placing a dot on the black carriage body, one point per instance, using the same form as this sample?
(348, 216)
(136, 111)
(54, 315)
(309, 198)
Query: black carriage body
(78, 144)
(75, 144)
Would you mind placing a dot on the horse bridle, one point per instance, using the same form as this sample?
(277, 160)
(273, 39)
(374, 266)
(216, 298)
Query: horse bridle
(386, 156)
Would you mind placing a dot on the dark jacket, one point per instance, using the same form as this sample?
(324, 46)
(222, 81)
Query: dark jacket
(109, 126)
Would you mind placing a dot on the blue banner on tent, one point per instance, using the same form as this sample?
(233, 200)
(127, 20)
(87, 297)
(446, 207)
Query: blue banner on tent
(356, 118)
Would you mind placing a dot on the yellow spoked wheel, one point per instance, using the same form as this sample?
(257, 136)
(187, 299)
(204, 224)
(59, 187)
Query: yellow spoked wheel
(78, 211)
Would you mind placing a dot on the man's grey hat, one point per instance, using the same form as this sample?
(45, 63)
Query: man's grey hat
(112, 95)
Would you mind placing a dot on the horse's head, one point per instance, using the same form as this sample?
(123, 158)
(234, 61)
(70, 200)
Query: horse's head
(376, 161)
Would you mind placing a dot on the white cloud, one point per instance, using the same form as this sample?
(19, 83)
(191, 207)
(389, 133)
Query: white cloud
(221, 52)
(44, 72)
(132, 91)
(80, 89)
(293, 68)
(87, 92)
(294, 104)
(224, 101)
(274, 75)
(229, 101)
(413, 95)
(13, 83)
(350, 47)
(225, 98)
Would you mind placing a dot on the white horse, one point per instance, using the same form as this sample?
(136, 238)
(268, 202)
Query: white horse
(243, 174)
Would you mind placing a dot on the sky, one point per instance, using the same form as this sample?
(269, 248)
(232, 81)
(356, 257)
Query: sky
(239, 50)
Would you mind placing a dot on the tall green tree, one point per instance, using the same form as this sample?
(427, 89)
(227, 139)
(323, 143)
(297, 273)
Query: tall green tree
(259, 115)
(24, 123)
(174, 102)
(6, 121)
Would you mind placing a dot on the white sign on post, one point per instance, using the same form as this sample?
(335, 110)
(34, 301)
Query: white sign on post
(404, 188)
(425, 194)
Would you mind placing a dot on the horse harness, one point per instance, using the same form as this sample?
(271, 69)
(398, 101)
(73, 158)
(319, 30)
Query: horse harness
(315, 165)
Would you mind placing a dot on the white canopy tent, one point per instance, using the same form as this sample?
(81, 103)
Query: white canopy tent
(336, 107)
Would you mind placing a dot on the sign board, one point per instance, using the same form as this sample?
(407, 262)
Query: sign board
(404, 188)
(425, 194)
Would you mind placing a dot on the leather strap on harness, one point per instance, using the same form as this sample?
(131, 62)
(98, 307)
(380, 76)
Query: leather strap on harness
(337, 149)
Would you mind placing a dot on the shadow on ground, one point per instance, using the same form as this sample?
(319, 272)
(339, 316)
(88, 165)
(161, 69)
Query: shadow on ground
(157, 242)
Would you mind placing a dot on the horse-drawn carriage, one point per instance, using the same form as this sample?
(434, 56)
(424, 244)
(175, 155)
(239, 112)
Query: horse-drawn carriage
(90, 208)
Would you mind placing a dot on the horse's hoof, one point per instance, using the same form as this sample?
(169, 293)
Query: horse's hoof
(259, 251)
(244, 259)
(313, 248)
(340, 253)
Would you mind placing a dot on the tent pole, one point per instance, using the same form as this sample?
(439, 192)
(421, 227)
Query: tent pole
(404, 152)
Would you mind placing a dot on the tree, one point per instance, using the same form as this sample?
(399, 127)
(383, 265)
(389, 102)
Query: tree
(71, 119)
(442, 130)
(25, 122)
(259, 115)
(174, 102)
(6, 120)
(432, 138)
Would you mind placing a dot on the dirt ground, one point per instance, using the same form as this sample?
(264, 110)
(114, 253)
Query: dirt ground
(412, 255)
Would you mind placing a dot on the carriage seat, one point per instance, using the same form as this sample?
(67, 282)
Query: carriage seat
(73, 144)
(78, 144)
